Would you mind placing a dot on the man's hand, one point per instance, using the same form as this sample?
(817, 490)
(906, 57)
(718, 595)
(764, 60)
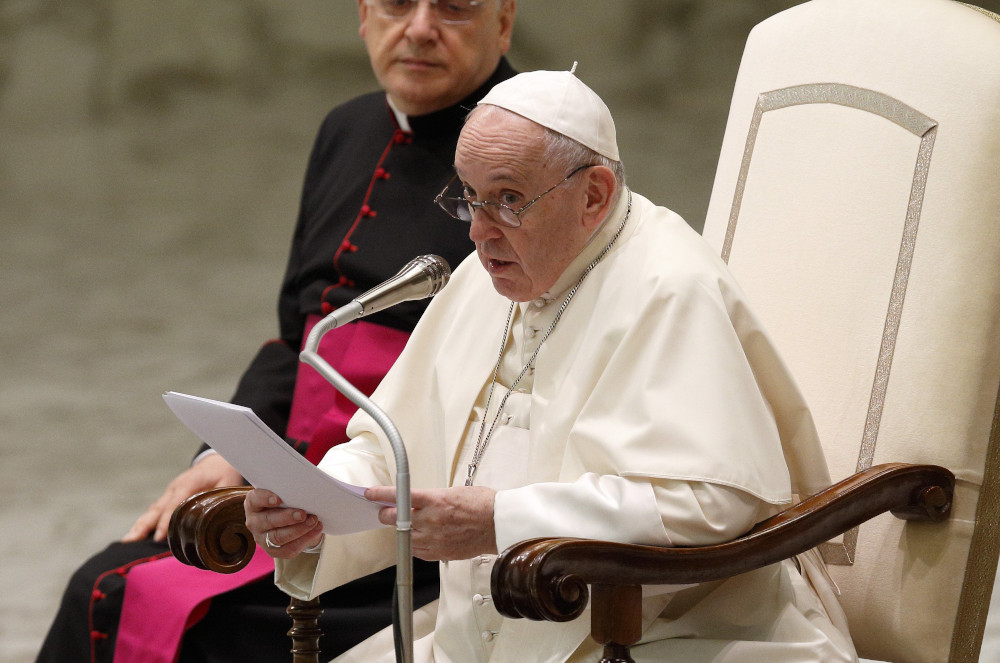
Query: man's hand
(280, 531)
(448, 523)
(212, 471)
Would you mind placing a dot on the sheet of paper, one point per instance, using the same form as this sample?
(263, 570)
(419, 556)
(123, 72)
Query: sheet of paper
(267, 461)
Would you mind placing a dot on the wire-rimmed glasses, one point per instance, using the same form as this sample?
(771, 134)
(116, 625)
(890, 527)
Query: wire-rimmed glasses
(447, 11)
(463, 209)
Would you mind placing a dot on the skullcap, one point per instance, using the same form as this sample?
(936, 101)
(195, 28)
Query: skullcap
(559, 101)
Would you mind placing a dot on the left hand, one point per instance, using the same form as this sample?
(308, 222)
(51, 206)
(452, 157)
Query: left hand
(448, 523)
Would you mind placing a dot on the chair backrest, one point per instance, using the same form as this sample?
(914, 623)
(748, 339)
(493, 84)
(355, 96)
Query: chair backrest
(857, 200)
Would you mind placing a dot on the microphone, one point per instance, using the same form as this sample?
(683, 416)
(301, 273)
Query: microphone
(422, 277)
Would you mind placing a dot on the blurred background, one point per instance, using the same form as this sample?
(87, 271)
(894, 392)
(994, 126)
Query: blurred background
(151, 155)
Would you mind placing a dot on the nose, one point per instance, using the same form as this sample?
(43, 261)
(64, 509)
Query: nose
(482, 227)
(422, 24)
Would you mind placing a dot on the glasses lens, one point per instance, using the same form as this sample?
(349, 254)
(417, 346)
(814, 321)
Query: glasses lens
(457, 11)
(456, 207)
(507, 217)
(465, 210)
(449, 11)
(395, 8)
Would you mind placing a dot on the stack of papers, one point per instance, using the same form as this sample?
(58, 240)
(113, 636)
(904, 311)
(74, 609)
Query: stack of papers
(267, 461)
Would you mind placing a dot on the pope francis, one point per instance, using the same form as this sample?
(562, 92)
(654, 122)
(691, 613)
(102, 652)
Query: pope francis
(593, 370)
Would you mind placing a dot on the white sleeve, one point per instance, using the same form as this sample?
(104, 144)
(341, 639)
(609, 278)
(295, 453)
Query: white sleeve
(359, 462)
(660, 512)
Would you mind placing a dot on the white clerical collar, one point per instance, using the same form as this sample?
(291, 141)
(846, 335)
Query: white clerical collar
(401, 119)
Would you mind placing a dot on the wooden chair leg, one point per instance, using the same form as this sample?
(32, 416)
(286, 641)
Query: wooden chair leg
(305, 632)
(616, 620)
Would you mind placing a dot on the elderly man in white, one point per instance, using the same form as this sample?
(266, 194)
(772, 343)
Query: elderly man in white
(592, 371)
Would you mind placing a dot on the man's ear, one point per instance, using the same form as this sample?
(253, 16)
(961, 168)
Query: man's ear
(507, 13)
(600, 191)
(363, 13)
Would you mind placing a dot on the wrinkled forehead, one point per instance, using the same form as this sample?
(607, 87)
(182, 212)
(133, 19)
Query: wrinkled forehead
(503, 142)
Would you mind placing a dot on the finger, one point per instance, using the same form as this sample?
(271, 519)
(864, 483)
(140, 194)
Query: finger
(315, 537)
(294, 548)
(295, 537)
(385, 494)
(162, 525)
(255, 504)
(139, 530)
(144, 524)
(259, 499)
(387, 515)
(259, 522)
(162, 511)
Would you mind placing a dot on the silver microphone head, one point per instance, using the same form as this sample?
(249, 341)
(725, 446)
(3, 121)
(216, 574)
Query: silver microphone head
(422, 277)
(436, 270)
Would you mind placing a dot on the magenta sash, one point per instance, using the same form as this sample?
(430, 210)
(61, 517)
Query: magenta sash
(362, 353)
(164, 598)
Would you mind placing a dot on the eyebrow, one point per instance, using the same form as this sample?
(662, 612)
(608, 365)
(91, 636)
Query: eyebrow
(500, 178)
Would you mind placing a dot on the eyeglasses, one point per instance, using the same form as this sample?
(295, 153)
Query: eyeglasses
(464, 209)
(448, 11)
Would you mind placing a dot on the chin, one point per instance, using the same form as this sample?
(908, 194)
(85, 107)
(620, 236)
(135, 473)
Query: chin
(507, 289)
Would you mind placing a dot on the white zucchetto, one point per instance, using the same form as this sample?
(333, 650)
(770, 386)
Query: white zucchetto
(559, 101)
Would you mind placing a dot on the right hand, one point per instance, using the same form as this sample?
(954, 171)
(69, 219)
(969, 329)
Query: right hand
(212, 471)
(291, 530)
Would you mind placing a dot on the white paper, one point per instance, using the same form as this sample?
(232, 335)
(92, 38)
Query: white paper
(267, 461)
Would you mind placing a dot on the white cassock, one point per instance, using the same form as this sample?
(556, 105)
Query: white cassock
(657, 412)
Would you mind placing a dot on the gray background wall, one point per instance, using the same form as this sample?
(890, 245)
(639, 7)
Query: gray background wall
(151, 154)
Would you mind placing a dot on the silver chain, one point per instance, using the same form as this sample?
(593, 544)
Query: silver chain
(481, 442)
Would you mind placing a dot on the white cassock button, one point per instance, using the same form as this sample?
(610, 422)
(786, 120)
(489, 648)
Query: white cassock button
(530, 332)
(479, 599)
(539, 303)
(506, 419)
(488, 636)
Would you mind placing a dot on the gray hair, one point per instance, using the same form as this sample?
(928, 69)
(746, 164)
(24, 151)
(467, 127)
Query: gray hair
(560, 149)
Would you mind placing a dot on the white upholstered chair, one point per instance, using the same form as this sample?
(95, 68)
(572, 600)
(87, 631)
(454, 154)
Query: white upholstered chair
(857, 201)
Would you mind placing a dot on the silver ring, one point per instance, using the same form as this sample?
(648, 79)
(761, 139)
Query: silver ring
(268, 541)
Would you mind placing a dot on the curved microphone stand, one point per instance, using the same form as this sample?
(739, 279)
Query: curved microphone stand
(422, 277)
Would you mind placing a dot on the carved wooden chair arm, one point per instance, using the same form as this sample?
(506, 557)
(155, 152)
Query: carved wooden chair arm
(546, 579)
(208, 530)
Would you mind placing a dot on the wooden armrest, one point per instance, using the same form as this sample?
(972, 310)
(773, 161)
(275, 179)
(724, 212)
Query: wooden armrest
(546, 579)
(208, 530)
